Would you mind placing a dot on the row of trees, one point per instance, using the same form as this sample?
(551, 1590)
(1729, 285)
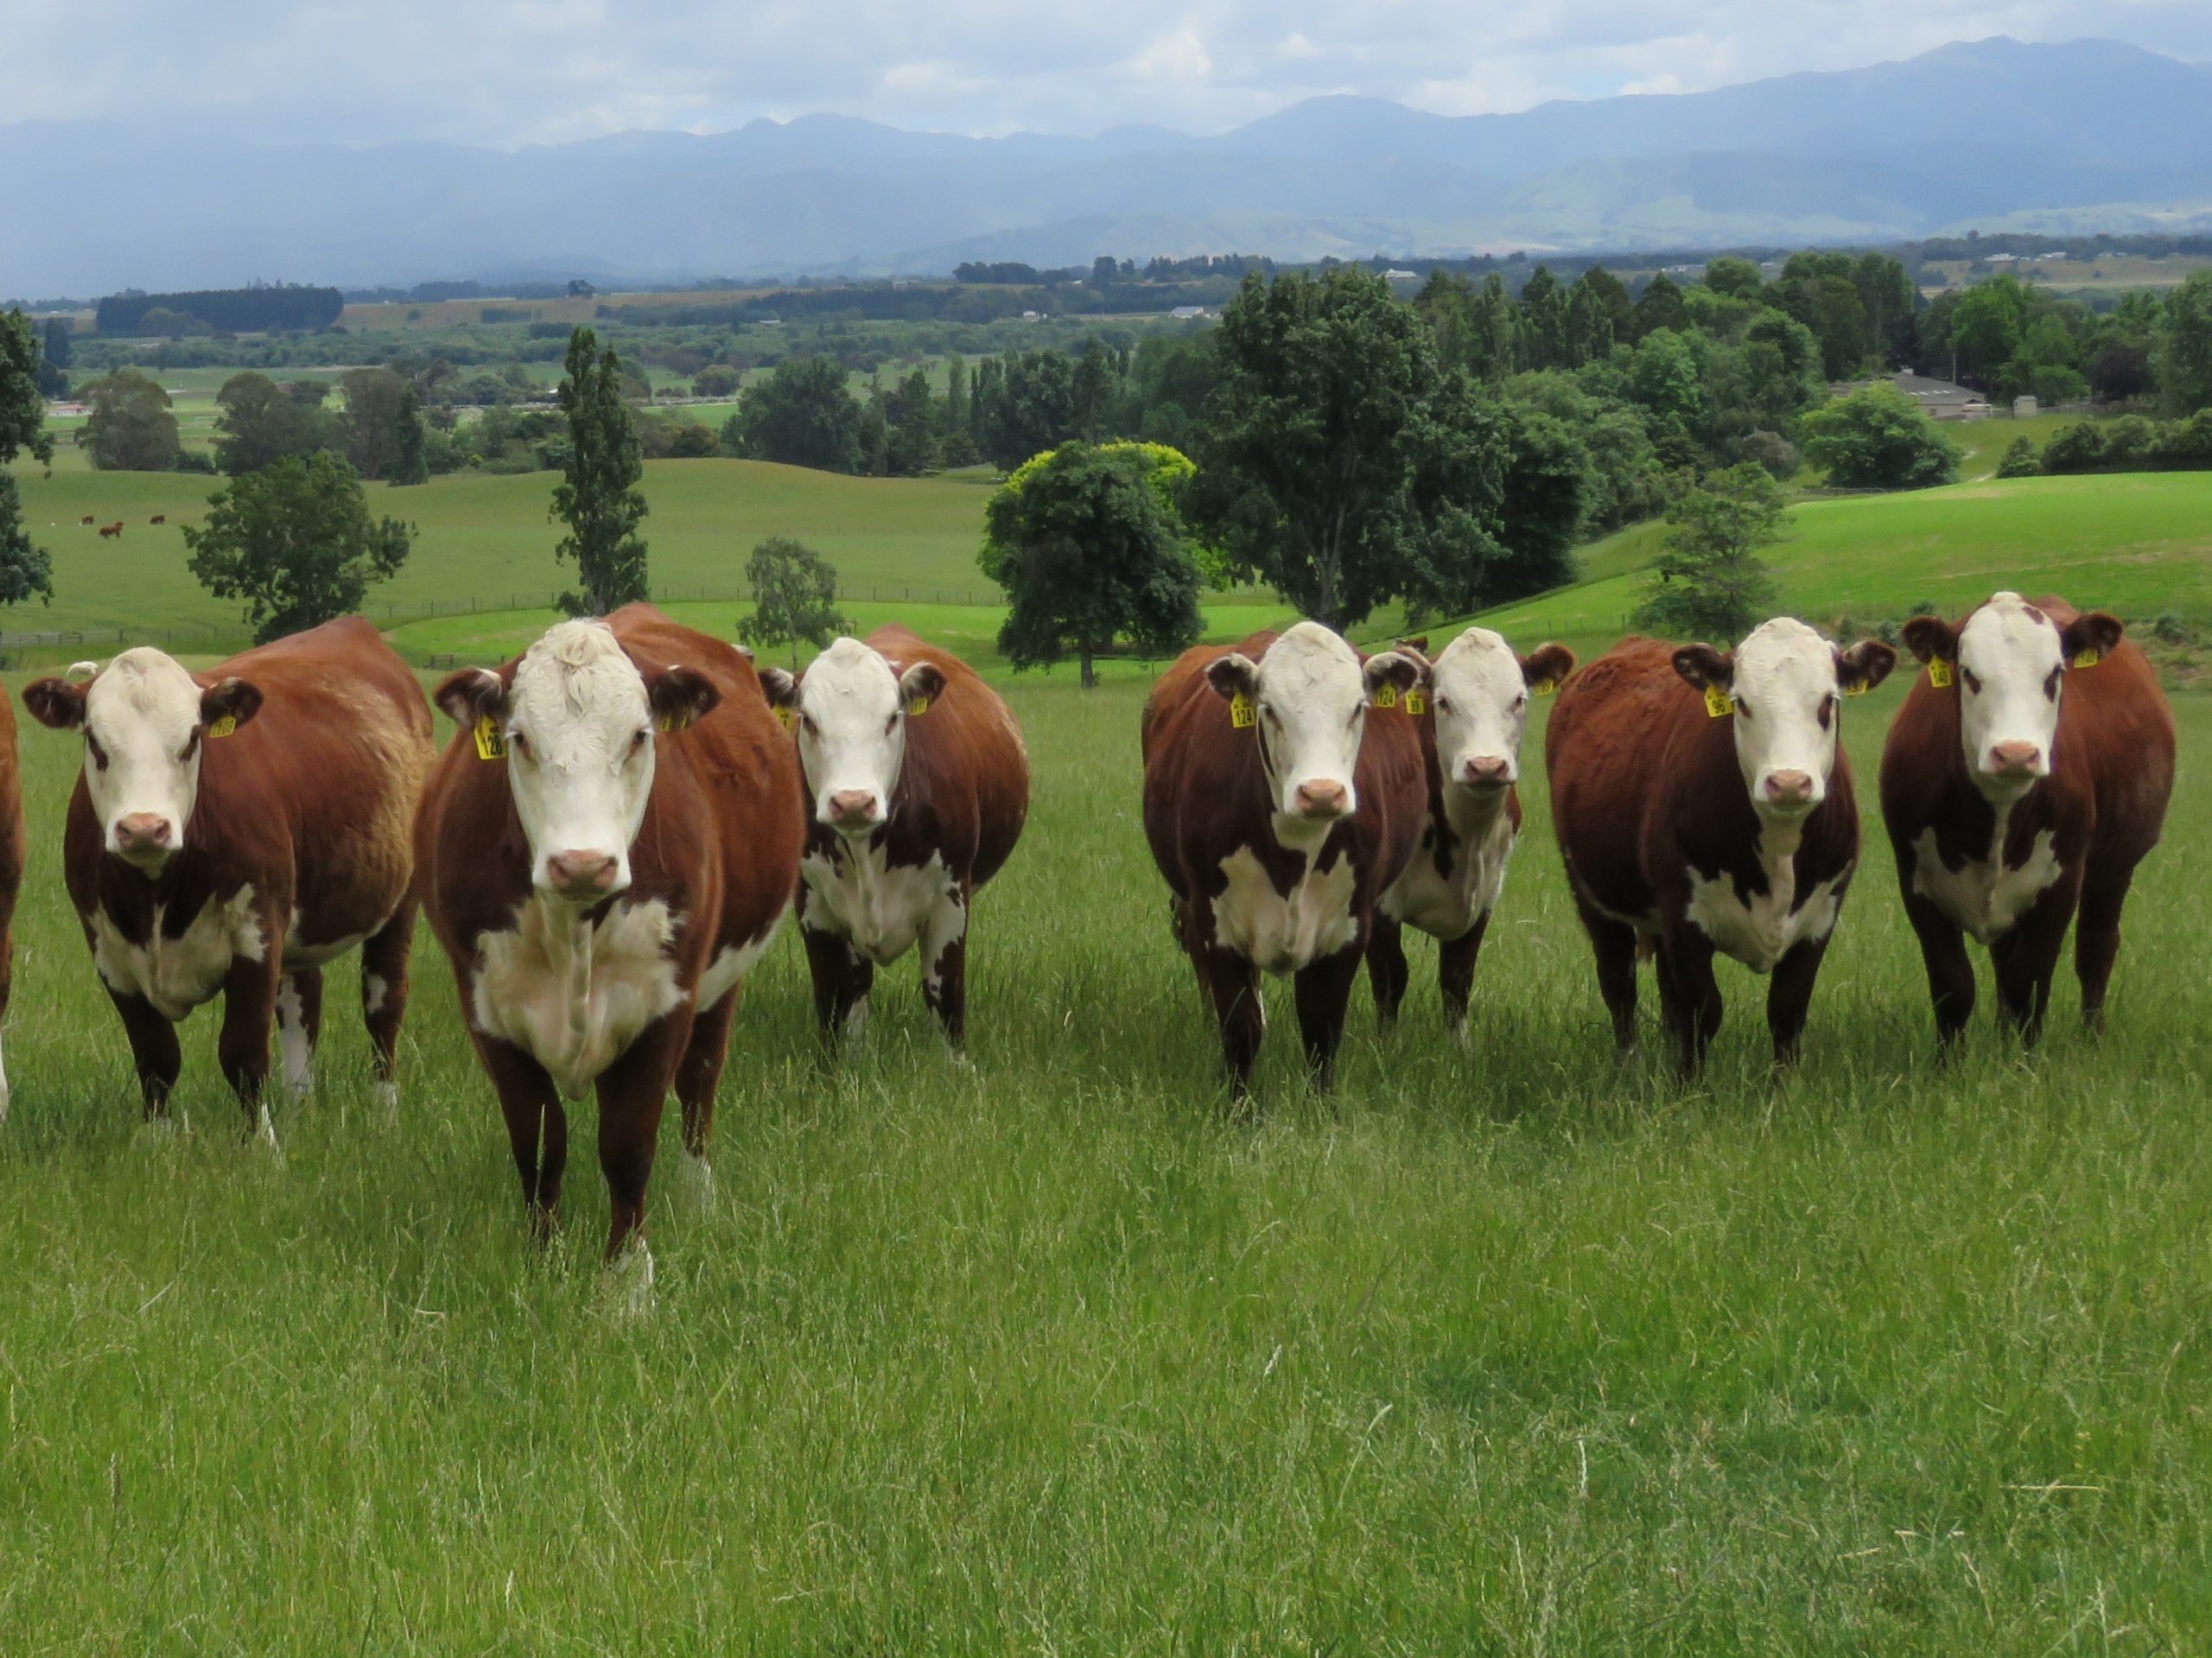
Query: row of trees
(2007, 337)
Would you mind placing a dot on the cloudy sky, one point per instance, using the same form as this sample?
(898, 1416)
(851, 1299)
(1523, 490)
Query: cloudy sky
(517, 72)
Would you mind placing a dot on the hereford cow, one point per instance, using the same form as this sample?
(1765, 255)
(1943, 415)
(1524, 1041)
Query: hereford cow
(608, 846)
(1280, 807)
(88, 519)
(111, 531)
(2027, 776)
(234, 832)
(919, 786)
(11, 868)
(159, 517)
(1703, 802)
(1469, 719)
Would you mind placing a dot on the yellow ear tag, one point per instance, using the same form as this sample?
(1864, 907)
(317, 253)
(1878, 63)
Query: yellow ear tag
(666, 722)
(787, 718)
(2089, 658)
(1547, 688)
(1859, 689)
(917, 708)
(1717, 703)
(491, 743)
(224, 727)
(1386, 697)
(1241, 714)
(1939, 673)
(1416, 703)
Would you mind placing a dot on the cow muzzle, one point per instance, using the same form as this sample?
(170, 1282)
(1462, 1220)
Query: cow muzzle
(1786, 791)
(2015, 762)
(1486, 771)
(853, 811)
(1321, 800)
(583, 876)
(143, 840)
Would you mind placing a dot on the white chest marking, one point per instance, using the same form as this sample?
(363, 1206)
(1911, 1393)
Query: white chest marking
(1982, 895)
(574, 996)
(728, 970)
(1283, 934)
(881, 910)
(177, 974)
(1760, 931)
(1445, 907)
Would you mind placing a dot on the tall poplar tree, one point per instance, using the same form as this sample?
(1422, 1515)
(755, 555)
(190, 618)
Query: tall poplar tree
(598, 497)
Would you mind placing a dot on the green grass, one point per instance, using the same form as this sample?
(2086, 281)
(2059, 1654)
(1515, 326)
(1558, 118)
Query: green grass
(1506, 1351)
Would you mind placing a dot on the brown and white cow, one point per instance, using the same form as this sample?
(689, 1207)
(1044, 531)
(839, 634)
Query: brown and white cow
(1703, 805)
(608, 845)
(1470, 718)
(919, 785)
(11, 868)
(234, 831)
(2023, 779)
(1280, 808)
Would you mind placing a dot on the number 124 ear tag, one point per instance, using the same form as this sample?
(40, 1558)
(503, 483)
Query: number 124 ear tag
(1717, 703)
(1241, 714)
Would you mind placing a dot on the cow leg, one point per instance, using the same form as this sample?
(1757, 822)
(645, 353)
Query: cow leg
(1233, 984)
(700, 1073)
(1324, 992)
(1690, 996)
(2027, 958)
(249, 1007)
(383, 998)
(631, 1093)
(537, 1127)
(944, 965)
(299, 1027)
(1950, 969)
(1455, 974)
(1613, 942)
(2096, 945)
(842, 978)
(1790, 996)
(7, 983)
(154, 1051)
(1387, 972)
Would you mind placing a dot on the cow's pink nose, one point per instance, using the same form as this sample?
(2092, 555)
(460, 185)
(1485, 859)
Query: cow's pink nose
(2014, 759)
(142, 832)
(580, 874)
(1321, 797)
(851, 806)
(1788, 788)
(1485, 769)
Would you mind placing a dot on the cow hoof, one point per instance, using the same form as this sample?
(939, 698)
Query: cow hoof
(693, 1179)
(1460, 1038)
(856, 1029)
(384, 1097)
(629, 1283)
(264, 1130)
(955, 1057)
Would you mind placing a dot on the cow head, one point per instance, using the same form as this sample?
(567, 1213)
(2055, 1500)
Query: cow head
(853, 704)
(144, 721)
(1782, 691)
(1309, 694)
(578, 717)
(1479, 690)
(2010, 659)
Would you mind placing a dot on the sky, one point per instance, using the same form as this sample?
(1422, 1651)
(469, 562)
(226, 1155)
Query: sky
(512, 72)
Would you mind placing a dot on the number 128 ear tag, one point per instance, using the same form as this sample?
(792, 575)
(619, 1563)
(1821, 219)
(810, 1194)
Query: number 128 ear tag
(1241, 714)
(1719, 704)
(224, 727)
(1939, 673)
(1416, 703)
(491, 743)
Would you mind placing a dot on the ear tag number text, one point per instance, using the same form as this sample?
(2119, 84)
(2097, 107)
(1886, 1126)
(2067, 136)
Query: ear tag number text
(224, 727)
(1717, 703)
(1416, 703)
(1241, 714)
(491, 742)
(916, 707)
(1939, 673)
(787, 718)
(1386, 697)
(1861, 689)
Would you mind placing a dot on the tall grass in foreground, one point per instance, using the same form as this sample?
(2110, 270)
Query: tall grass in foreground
(1506, 1350)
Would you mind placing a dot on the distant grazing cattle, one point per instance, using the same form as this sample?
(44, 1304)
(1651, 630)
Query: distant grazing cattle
(111, 531)
(234, 831)
(1703, 802)
(12, 867)
(919, 786)
(1280, 806)
(159, 517)
(88, 518)
(1469, 718)
(2026, 777)
(608, 845)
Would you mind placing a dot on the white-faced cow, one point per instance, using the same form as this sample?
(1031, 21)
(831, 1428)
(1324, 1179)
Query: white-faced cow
(919, 786)
(1703, 805)
(1279, 808)
(608, 845)
(2026, 777)
(234, 831)
(1469, 719)
(12, 867)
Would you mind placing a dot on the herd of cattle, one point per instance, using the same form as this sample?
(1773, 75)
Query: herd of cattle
(626, 812)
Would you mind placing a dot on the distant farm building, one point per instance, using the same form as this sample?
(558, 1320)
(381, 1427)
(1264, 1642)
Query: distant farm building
(1940, 399)
(1189, 312)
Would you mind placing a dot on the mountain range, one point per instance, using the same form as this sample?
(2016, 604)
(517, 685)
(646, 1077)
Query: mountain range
(2084, 135)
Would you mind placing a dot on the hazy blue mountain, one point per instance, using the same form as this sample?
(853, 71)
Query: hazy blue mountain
(2085, 136)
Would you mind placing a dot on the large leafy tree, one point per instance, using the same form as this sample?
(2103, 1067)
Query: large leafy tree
(794, 597)
(295, 542)
(377, 412)
(598, 497)
(1088, 552)
(1708, 581)
(2182, 354)
(131, 427)
(1879, 438)
(25, 567)
(1028, 404)
(258, 423)
(801, 414)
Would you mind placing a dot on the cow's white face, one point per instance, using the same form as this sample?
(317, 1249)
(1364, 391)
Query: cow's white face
(144, 721)
(1309, 694)
(2010, 662)
(1478, 690)
(1787, 684)
(578, 719)
(853, 704)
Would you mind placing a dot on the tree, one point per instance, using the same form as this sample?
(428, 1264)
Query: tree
(2020, 460)
(1028, 407)
(1879, 438)
(376, 407)
(1708, 581)
(52, 368)
(25, 567)
(1087, 552)
(911, 443)
(410, 458)
(794, 597)
(801, 414)
(598, 497)
(257, 423)
(1737, 278)
(294, 541)
(131, 427)
(1660, 306)
(2182, 353)
(715, 380)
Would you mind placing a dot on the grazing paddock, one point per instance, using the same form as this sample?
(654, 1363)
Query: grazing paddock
(1509, 1350)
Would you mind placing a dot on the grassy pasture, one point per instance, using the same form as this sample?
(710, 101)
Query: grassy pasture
(1508, 1351)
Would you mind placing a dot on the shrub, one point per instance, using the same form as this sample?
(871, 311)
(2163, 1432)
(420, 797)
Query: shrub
(1879, 438)
(2020, 460)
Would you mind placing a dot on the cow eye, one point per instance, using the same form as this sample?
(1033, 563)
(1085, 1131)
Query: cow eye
(639, 741)
(1520, 702)
(1967, 679)
(1743, 710)
(2050, 685)
(1442, 705)
(892, 724)
(806, 720)
(518, 744)
(93, 748)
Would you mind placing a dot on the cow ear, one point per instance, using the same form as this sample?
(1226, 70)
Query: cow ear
(1416, 652)
(1546, 667)
(780, 687)
(1234, 675)
(81, 673)
(2093, 635)
(919, 686)
(1399, 669)
(1418, 644)
(471, 694)
(679, 695)
(742, 649)
(235, 699)
(1705, 667)
(1864, 666)
(55, 702)
(1930, 639)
